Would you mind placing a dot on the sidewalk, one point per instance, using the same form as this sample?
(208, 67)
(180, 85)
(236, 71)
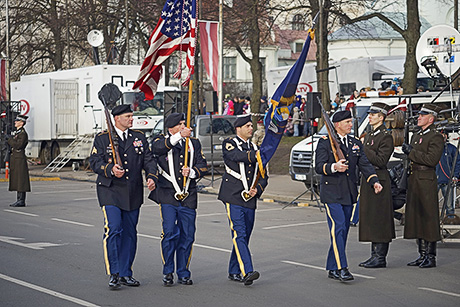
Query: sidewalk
(281, 188)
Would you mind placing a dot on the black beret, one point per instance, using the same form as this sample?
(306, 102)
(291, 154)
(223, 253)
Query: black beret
(379, 107)
(341, 115)
(22, 118)
(174, 119)
(121, 109)
(242, 120)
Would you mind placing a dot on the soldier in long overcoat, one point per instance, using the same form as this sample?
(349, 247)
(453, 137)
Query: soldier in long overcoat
(19, 175)
(376, 223)
(422, 208)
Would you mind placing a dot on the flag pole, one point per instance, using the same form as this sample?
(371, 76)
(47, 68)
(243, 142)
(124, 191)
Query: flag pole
(220, 73)
(189, 114)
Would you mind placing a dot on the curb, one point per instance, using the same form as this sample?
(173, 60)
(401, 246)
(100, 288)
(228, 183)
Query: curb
(36, 179)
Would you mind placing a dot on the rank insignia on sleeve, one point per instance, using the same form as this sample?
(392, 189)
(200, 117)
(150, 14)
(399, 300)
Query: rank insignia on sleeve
(229, 146)
(94, 151)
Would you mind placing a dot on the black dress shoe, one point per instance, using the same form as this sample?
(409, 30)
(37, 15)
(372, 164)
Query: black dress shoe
(185, 281)
(114, 282)
(345, 275)
(168, 280)
(129, 281)
(250, 277)
(235, 277)
(334, 274)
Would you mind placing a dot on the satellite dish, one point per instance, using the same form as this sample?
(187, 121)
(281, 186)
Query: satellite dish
(95, 38)
(438, 45)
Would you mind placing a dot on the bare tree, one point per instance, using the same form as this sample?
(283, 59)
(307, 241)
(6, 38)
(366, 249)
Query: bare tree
(411, 35)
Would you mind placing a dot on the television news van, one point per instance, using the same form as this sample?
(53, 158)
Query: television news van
(64, 108)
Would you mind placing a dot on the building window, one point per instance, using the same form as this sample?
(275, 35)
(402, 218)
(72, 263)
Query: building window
(173, 64)
(262, 60)
(298, 23)
(298, 47)
(229, 68)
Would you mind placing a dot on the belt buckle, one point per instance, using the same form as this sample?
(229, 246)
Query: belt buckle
(181, 196)
(245, 195)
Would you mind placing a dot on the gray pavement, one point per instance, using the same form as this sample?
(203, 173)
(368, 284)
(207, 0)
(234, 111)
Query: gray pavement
(51, 255)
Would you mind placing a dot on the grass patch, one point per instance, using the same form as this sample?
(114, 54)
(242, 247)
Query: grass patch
(279, 163)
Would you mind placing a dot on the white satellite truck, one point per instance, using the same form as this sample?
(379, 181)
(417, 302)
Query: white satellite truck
(65, 112)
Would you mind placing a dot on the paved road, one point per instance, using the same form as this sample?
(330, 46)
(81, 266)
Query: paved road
(51, 255)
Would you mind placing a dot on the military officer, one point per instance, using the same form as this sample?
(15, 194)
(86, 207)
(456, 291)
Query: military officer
(120, 190)
(422, 211)
(19, 175)
(339, 191)
(178, 201)
(240, 197)
(376, 223)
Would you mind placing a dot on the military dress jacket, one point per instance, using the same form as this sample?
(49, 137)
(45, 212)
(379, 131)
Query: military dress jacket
(231, 187)
(342, 187)
(376, 221)
(164, 194)
(422, 207)
(127, 192)
(19, 171)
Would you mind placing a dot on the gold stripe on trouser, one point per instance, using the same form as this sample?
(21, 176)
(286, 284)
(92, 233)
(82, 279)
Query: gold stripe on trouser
(162, 236)
(334, 242)
(189, 257)
(353, 211)
(104, 241)
(354, 208)
(237, 251)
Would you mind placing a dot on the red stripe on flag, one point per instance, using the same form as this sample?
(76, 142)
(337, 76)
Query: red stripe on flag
(210, 50)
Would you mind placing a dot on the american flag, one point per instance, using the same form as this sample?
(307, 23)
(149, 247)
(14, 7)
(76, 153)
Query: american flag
(176, 30)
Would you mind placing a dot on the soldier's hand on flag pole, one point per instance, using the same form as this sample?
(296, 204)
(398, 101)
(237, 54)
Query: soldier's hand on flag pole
(341, 166)
(118, 171)
(151, 184)
(186, 132)
(253, 192)
(185, 171)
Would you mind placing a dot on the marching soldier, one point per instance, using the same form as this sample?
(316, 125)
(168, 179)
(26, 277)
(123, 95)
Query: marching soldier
(178, 202)
(422, 208)
(240, 198)
(120, 191)
(339, 191)
(376, 223)
(19, 176)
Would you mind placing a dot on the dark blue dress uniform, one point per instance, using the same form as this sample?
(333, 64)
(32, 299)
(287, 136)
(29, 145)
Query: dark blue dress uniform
(241, 213)
(121, 198)
(339, 191)
(178, 216)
